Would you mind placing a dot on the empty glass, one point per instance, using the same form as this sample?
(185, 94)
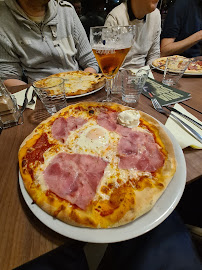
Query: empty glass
(51, 93)
(174, 70)
(132, 84)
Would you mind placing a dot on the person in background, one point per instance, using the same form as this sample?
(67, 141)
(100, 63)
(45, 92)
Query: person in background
(77, 6)
(144, 15)
(39, 38)
(182, 29)
(91, 17)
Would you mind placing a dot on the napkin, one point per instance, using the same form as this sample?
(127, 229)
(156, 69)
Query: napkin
(21, 95)
(182, 136)
(134, 70)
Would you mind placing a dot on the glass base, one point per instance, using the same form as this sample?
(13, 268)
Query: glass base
(110, 99)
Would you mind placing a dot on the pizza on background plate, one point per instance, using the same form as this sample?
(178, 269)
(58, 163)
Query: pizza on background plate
(194, 67)
(97, 165)
(76, 82)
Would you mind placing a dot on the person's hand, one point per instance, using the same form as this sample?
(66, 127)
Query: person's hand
(91, 70)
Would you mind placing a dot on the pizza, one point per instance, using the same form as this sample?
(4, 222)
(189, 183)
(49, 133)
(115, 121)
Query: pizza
(195, 67)
(97, 165)
(76, 82)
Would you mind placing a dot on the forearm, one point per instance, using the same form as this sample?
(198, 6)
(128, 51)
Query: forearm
(170, 47)
(13, 82)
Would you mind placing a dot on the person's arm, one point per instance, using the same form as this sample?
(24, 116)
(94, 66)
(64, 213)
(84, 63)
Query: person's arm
(10, 68)
(154, 51)
(85, 56)
(170, 47)
(13, 82)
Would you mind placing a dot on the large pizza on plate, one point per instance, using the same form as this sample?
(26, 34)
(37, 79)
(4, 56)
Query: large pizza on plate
(195, 67)
(97, 165)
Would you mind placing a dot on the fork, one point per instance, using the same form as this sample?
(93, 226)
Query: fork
(32, 101)
(189, 129)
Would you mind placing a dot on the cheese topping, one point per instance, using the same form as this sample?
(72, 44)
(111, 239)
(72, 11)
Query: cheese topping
(129, 118)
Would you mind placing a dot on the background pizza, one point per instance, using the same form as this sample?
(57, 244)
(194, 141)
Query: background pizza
(194, 67)
(97, 165)
(76, 82)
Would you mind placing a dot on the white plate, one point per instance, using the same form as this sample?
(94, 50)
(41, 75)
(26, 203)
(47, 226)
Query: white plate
(192, 74)
(162, 209)
(85, 94)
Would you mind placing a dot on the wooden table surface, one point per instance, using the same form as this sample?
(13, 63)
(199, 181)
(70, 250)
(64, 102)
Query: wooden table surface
(22, 236)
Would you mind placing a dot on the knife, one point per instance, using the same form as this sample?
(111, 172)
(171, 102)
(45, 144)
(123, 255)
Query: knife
(185, 116)
(24, 105)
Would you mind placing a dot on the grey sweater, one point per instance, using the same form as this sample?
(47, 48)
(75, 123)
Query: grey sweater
(58, 44)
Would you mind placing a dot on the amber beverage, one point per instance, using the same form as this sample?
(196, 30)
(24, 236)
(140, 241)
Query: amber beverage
(110, 60)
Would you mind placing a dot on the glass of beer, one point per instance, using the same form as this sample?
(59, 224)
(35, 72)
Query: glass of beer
(110, 46)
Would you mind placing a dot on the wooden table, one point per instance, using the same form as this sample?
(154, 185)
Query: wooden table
(23, 236)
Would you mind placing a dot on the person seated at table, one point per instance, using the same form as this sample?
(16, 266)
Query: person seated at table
(39, 38)
(182, 29)
(91, 17)
(144, 15)
(166, 247)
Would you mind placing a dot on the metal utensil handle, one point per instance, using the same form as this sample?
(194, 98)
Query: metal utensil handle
(188, 128)
(193, 121)
(190, 119)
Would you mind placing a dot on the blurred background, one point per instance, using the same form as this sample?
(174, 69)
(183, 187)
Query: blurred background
(93, 13)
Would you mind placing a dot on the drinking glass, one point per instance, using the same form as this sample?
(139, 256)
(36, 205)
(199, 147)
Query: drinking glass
(51, 92)
(174, 70)
(110, 46)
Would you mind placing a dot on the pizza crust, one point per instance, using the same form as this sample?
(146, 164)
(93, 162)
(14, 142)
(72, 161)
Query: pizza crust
(126, 203)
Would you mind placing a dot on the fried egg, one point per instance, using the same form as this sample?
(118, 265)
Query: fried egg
(94, 138)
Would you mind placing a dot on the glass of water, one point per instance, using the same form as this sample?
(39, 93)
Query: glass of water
(174, 69)
(51, 92)
(132, 85)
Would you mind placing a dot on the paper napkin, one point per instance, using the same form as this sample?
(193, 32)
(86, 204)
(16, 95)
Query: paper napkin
(182, 136)
(21, 95)
(134, 70)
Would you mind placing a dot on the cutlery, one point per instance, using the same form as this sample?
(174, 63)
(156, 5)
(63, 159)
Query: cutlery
(191, 107)
(185, 116)
(24, 105)
(32, 101)
(1, 126)
(189, 129)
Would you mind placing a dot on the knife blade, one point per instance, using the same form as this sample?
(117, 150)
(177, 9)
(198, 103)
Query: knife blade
(24, 105)
(185, 116)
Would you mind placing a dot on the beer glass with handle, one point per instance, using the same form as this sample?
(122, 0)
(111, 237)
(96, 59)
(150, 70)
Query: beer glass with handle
(110, 46)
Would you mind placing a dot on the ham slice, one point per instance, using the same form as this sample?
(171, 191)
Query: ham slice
(75, 177)
(139, 151)
(62, 126)
(108, 120)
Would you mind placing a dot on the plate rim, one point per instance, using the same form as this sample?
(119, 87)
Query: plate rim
(85, 94)
(185, 73)
(111, 235)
